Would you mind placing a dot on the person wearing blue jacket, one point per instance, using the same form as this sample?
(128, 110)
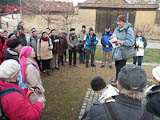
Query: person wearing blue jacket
(90, 46)
(124, 34)
(106, 46)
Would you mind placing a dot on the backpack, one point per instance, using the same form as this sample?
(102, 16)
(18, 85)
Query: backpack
(5, 92)
(112, 113)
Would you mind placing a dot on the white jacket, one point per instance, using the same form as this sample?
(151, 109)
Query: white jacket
(108, 93)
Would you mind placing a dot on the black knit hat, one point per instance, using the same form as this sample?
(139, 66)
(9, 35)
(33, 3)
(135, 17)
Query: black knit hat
(13, 43)
(10, 35)
(107, 27)
(98, 83)
(72, 29)
(90, 29)
(83, 26)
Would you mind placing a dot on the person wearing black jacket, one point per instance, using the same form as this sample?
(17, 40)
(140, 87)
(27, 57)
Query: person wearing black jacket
(152, 100)
(22, 36)
(13, 50)
(56, 45)
(131, 83)
(140, 45)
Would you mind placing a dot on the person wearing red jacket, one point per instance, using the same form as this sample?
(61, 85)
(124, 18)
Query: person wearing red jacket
(3, 44)
(16, 105)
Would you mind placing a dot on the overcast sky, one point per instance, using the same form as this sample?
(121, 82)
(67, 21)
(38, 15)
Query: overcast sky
(75, 2)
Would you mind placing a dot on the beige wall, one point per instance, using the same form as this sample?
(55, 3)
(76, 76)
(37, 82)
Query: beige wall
(145, 17)
(145, 21)
(40, 22)
(86, 17)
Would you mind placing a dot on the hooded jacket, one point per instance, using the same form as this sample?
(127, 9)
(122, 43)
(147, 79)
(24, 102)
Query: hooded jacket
(17, 106)
(10, 53)
(88, 42)
(127, 109)
(125, 34)
(152, 100)
(105, 41)
(108, 94)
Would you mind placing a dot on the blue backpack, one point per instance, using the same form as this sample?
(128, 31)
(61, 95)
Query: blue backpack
(5, 92)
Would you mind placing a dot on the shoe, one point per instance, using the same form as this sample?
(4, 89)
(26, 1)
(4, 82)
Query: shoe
(110, 66)
(57, 68)
(75, 65)
(102, 66)
(70, 66)
(86, 66)
(49, 73)
(63, 64)
(93, 65)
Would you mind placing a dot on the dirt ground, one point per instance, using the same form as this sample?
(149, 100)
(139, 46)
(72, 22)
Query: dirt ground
(65, 89)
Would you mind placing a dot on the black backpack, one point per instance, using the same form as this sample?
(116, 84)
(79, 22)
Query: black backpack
(5, 92)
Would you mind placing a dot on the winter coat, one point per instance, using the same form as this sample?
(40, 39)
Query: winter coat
(108, 94)
(125, 34)
(142, 45)
(89, 44)
(17, 106)
(23, 40)
(105, 41)
(72, 42)
(152, 100)
(42, 49)
(81, 39)
(81, 36)
(34, 80)
(127, 109)
(63, 43)
(33, 43)
(3, 46)
(56, 44)
(11, 53)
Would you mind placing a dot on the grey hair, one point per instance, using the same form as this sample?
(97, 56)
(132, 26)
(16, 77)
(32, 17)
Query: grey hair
(136, 95)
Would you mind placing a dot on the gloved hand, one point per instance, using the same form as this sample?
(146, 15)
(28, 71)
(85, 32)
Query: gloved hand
(50, 48)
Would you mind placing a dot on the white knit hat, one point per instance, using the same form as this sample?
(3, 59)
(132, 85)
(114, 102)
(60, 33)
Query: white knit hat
(9, 68)
(156, 73)
(1, 31)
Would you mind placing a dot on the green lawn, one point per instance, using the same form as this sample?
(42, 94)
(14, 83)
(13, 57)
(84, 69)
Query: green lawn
(151, 56)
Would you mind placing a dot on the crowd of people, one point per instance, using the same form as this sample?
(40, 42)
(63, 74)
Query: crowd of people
(22, 61)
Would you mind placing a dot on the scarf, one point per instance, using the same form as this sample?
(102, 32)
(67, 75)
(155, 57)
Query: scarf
(25, 53)
(45, 39)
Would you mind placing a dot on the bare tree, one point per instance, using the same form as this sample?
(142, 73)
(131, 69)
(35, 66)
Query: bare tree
(43, 8)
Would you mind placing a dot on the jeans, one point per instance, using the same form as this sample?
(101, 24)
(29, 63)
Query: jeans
(74, 52)
(140, 59)
(119, 65)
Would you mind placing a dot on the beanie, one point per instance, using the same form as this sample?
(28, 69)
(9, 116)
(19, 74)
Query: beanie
(90, 29)
(156, 73)
(98, 84)
(9, 68)
(132, 77)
